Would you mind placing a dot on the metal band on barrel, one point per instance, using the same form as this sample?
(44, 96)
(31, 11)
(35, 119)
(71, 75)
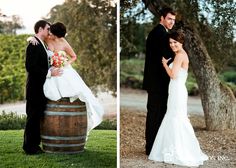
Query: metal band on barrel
(63, 145)
(64, 113)
(64, 152)
(64, 106)
(62, 138)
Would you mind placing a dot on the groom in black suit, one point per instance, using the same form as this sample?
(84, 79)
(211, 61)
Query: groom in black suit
(156, 80)
(37, 67)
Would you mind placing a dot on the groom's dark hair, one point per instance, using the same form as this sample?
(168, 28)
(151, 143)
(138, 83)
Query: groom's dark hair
(165, 10)
(40, 23)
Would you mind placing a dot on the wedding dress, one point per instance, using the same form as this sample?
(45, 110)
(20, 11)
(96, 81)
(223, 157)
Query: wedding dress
(71, 85)
(175, 142)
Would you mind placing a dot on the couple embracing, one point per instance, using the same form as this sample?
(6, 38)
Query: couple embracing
(48, 80)
(169, 134)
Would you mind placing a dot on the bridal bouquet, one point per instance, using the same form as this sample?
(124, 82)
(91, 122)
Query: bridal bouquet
(59, 59)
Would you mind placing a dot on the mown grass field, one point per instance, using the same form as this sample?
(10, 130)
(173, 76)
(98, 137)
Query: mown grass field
(100, 151)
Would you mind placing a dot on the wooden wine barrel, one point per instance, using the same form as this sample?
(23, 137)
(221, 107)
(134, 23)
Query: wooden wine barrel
(64, 126)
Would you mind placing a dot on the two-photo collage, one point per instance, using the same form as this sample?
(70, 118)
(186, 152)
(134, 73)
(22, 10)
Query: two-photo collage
(117, 84)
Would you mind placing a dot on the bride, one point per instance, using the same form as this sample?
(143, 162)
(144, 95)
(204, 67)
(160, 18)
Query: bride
(69, 83)
(175, 142)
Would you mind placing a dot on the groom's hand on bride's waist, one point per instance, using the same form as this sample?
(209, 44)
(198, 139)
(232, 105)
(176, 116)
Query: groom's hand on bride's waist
(56, 71)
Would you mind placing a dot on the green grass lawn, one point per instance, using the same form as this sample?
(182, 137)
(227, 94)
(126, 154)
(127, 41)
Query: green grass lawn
(100, 152)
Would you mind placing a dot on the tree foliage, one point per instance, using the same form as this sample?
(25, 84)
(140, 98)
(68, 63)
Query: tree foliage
(133, 29)
(215, 23)
(91, 29)
(9, 24)
(12, 69)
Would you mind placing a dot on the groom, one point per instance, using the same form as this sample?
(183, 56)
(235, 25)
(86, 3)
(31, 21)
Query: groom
(156, 80)
(37, 67)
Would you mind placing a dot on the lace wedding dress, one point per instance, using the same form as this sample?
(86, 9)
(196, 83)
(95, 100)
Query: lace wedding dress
(71, 85)
(176, 142)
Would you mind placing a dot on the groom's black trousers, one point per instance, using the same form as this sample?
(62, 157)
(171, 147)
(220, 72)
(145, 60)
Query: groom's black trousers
(156, 109)
(34, 111)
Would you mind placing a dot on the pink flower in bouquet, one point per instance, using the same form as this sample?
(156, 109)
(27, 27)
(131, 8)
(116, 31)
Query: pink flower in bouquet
(59, 59)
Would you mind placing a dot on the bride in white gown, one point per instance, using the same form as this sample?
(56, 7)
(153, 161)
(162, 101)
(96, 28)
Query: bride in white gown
(69, 83)
(176, 142)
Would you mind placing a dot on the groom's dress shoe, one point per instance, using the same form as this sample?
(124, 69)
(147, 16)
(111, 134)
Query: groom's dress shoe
(39, 151)
(34, 151)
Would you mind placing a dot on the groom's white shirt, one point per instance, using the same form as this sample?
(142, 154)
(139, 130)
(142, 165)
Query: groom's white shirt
(49, 70)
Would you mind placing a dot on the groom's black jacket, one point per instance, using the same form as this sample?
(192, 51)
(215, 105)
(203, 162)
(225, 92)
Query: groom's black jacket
(37, 67)
(156, 79)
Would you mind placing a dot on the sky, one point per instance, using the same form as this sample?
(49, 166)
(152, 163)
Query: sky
(30, 11)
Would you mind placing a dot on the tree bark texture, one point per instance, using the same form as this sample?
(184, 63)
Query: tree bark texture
(218, 101)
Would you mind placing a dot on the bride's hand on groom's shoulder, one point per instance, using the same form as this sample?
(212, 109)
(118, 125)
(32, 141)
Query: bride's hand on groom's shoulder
(164, 61)
(32, 40)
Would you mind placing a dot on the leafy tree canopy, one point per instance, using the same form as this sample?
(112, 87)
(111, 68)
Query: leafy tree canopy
(9, 24)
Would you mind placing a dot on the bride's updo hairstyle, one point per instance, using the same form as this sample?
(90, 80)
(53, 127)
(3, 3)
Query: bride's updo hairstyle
(178, 36)
(58, 29)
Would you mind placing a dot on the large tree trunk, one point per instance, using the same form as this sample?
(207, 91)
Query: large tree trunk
(219, 103)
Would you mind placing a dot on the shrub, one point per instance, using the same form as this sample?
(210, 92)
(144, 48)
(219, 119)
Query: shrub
(192, 88)
(12, 68)
(191, 84)
(229, 76)
(131, 74)
(12, 121)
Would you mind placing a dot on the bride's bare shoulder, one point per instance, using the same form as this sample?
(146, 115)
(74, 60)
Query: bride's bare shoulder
(64, 40)
(182, 55)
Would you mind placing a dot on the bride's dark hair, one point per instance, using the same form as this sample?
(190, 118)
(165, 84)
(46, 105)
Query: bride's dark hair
(58, 29)
(177, 35)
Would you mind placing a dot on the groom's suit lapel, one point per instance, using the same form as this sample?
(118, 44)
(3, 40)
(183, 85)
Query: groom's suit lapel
(43, 49)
